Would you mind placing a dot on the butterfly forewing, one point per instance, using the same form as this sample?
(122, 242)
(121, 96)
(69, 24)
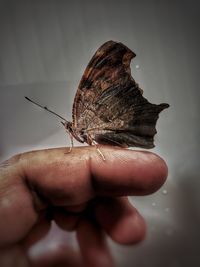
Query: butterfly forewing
(101, 73)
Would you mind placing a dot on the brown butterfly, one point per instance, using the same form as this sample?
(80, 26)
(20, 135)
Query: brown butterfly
(109, 107)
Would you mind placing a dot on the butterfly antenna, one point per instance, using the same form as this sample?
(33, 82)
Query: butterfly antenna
(46, 108)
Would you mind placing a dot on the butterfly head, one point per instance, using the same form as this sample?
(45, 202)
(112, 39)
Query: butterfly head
(73, 131)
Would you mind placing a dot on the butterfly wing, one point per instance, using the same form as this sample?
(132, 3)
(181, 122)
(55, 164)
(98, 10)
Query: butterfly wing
(109, 106)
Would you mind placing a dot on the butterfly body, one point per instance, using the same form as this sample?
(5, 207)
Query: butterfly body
(109, 107)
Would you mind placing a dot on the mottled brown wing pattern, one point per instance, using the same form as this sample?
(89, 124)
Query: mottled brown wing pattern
(102, 72)
(109, 105)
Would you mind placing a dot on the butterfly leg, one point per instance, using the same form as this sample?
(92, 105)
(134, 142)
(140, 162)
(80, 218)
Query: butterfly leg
(71, 143)
(98, 150)
(93, 142)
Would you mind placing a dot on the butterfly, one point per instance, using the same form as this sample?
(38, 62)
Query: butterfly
(109, 107)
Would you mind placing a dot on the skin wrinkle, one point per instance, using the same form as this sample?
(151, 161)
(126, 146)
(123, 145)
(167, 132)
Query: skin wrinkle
(95, 178)
(38, 191)
(92, 177)
(9, 185)
(11, 162)
(31, 198)
(18, 162)
(39, 202)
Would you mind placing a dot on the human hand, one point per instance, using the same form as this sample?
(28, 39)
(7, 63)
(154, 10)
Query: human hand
(81, 192)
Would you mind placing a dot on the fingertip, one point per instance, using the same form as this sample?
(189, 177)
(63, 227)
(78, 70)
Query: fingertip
(121, 221)
(132, 230)
(158, 171)
(127, 172)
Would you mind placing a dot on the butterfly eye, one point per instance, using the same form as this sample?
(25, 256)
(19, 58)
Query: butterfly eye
(83, 132)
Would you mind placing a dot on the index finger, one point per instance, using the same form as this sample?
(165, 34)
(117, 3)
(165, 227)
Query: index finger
(76, 177)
